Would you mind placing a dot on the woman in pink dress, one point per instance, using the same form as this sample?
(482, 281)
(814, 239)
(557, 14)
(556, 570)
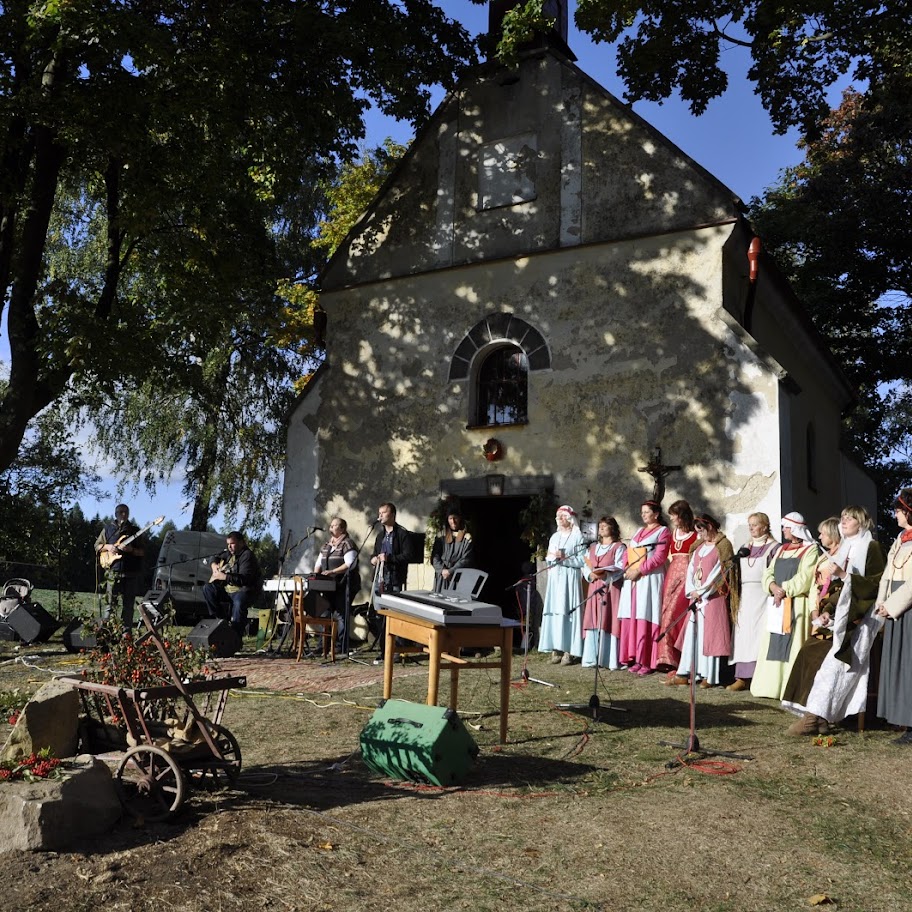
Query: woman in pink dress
(674, 602)
(706, 640)
(641, 598)
(604, 570)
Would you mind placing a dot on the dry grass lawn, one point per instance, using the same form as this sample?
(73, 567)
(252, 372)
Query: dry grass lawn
(570, 814)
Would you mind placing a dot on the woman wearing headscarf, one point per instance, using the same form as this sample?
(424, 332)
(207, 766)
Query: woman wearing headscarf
(824, 598)
(562, 628)
(706, 638)
(640, 609)
(841, 685)
(788, 581)
(894, 598)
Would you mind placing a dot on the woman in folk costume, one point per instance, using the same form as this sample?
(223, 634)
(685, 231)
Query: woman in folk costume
(706, 586)
(788, 581)
(748, 614)
(824, 597)
(562, 627)
(894, 599)
(641, 598)
(674, 600)
(604, 571)
(841, 685)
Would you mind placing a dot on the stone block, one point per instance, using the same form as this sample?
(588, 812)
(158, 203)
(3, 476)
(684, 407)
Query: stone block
(59, 813)
(50, 719)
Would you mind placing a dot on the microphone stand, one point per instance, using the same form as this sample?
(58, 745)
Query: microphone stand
(289, 622)
(594, 705)
(527, 582)
(692, 745)
(264, 644)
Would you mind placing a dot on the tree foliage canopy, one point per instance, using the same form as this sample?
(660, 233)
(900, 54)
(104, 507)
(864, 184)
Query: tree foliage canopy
(152, 146)
(837, 224)
(798, 49)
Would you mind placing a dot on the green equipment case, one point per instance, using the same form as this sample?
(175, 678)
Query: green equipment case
(420, 743)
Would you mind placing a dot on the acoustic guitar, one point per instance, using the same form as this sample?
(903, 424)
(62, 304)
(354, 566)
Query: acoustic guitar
(108, 558)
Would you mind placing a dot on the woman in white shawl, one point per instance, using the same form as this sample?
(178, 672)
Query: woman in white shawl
(562, 617)
(841, 685)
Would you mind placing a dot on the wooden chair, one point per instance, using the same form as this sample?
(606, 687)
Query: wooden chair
(323, 627)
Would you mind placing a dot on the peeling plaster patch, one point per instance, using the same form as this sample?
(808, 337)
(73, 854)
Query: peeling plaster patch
(642, 365)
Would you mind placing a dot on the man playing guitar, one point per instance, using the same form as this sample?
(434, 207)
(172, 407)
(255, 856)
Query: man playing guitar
(122, 564)
(235, 583)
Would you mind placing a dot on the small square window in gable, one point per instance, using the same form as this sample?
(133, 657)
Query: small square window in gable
(506, 171)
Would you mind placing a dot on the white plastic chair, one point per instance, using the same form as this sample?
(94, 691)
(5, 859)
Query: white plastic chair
(468, 582)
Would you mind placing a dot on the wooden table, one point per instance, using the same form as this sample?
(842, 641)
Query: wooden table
(443, 643)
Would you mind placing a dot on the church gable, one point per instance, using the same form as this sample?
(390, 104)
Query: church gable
(526, 161)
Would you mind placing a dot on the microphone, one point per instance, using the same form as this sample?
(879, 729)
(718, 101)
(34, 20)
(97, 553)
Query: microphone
(317, 529)
(373, 522)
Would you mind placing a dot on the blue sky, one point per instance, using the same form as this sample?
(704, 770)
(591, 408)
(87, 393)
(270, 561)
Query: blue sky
(734, 140)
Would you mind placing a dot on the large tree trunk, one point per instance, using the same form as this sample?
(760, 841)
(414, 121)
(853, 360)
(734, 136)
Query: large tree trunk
(32, 383)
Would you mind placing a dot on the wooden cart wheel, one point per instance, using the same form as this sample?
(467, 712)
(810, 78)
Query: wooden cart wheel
(150, 783)
(215, 774)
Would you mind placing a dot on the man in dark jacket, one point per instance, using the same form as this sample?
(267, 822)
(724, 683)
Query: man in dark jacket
(235, 584)
(392, 550)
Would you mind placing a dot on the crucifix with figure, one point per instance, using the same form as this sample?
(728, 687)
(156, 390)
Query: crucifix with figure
(659, 472)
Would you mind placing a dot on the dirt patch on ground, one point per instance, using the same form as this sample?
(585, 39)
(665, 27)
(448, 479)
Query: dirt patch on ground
(569, 814)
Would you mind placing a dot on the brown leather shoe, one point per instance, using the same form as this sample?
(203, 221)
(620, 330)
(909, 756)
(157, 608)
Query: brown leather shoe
(738, 685)
(808, 724)
(677, 681)
(556, 657)
(706, 685)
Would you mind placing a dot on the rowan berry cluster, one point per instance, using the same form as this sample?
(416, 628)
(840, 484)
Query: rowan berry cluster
(40, 765)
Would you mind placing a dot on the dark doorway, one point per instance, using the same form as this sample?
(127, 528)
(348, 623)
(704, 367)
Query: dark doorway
(495, 527)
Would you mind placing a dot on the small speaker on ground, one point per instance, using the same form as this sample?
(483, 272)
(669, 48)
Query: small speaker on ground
(216, 636)
(32, 623)
(80, 634)
(420, 743)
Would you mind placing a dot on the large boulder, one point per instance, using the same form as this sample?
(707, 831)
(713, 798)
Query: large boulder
(58, 813)
(50, 720)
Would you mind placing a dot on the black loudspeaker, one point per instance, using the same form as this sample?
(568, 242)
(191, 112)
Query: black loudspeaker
(415, 553)
(76, 637)
(215, 636)
(420, 743)
(32, 623)
(7, 633)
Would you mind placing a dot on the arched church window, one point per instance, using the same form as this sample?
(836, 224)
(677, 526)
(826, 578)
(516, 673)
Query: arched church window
(502, 390)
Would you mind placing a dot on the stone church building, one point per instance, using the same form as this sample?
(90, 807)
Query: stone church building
(545, 291)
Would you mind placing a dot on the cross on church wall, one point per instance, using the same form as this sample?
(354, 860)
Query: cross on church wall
(659, 472)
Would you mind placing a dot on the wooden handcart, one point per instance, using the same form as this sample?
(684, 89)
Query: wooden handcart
(157, 760)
